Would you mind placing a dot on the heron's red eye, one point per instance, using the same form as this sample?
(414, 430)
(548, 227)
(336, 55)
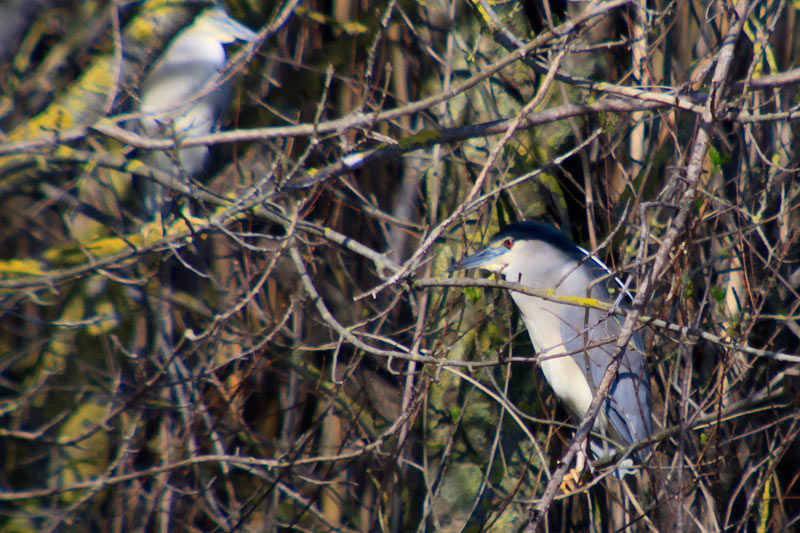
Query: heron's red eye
(508, 243)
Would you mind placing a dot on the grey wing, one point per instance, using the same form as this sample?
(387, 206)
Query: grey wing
(628, 404)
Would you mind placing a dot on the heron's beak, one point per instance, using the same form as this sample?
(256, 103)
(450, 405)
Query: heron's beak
(225, 29)
(483, 258)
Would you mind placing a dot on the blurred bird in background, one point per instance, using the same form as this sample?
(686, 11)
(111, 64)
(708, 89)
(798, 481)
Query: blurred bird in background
(177, 100)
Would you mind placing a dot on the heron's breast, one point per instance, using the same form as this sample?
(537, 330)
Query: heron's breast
(559, 368)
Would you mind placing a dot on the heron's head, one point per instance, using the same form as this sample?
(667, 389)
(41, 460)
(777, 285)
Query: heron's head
(523, 247)
(214, 23)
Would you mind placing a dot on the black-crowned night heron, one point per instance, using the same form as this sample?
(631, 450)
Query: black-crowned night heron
(177, 100)
(574, 345)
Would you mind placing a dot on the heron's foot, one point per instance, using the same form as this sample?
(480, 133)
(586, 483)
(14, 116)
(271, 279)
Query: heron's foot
(578, 475)
(571, 481)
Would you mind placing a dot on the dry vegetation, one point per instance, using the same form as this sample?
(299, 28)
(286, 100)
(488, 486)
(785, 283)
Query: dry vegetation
(283, 351)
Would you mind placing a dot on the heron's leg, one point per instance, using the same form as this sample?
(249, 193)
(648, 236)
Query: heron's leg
(575, 477)
(580, 457)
